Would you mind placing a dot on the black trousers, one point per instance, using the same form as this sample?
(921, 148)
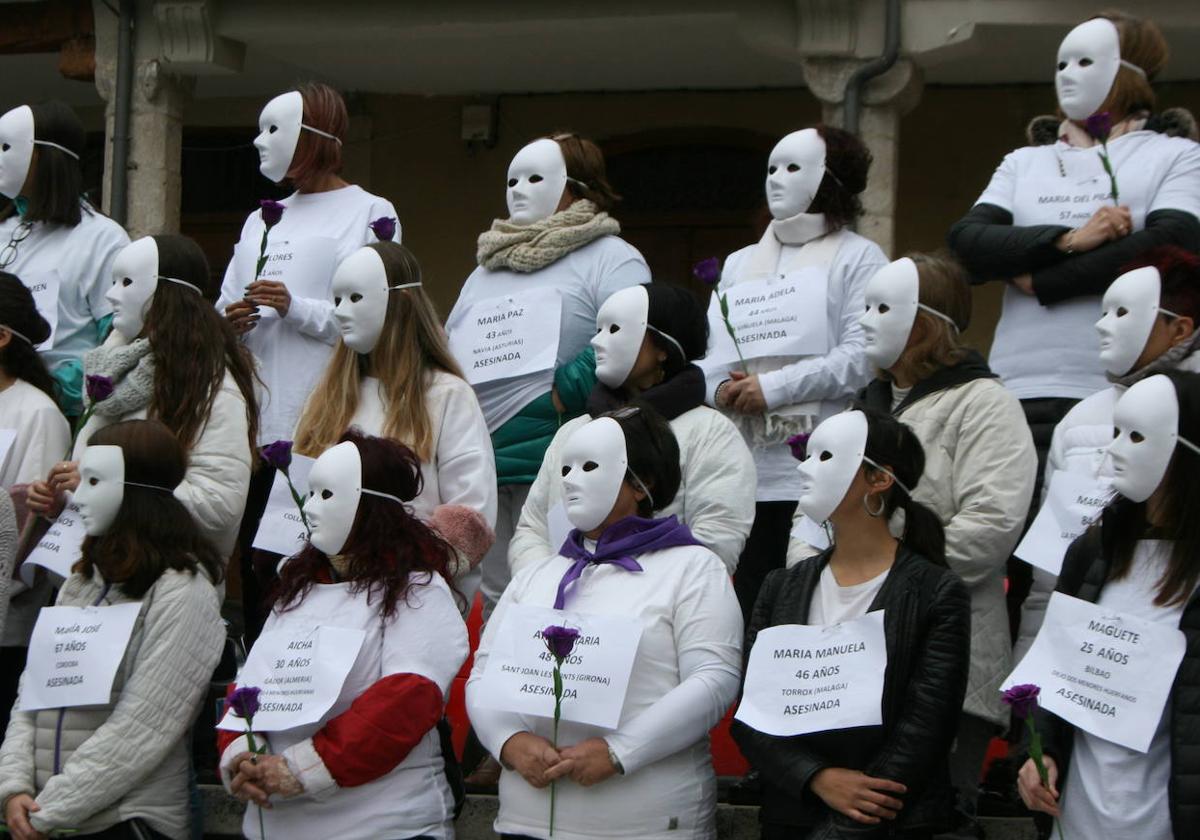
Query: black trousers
(766, 549)
(254, 587)
(136, 829)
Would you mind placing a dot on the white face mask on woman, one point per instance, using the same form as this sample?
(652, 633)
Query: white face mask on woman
(794, 172)
(334, 490)
(537, 177)
(1130, 308)
(620, 331)
(16, 149)
(135, 279)
(594, 463)
(279, 133)
(360, 296)
(1088, 61)
(101, 488)
(832, 457)
(1146, 431)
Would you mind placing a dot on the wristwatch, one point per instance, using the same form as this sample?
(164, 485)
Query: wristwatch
(616, 762)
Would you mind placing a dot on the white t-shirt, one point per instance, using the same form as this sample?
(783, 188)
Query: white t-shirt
(833, 602)
(43, 434)
(427, 637)
(825, 382)
(1111, 791)
(585, 278)
(78, 259)
(899, 395)
(686, 673)
(1054, 351)
(317, 232)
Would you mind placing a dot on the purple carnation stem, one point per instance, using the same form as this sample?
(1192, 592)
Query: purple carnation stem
(558, 692)
(262, 829)
(299, 502)
(1035, 752)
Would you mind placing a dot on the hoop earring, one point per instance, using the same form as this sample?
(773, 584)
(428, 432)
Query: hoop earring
(867, 505)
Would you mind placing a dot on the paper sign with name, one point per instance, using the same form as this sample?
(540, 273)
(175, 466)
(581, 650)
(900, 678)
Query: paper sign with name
(300, 672)
(1073, 502)
(773, 317)
(60, 548)
(305, 265)
(1104, 671)
(813, 678)
(1068, 198)
(520, 671)
(507, 336)
(281, 530)
(44, 285)
(74, 654)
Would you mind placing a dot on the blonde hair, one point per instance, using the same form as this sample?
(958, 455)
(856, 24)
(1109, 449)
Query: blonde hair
(411, 348)
(942, 287)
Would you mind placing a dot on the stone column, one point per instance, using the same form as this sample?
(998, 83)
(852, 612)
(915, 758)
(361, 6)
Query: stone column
(886, 99)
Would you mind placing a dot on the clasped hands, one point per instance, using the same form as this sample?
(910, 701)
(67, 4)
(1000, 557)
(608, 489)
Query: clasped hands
(742, 393)
(243, 315)
(258, 777)
(46, 498)
(540, 763)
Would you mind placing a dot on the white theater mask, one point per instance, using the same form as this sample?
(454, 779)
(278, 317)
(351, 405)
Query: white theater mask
(279, 133)
(537, 177)
(334, 490)
(1130, 308)
(1088, 61)
(891, 298)
(16, 149)
(135, 279)
(1146, 430)
(794, 172)
(360, 295)
(101, 488)
(594, 463)
(833, 455)
(620, 331)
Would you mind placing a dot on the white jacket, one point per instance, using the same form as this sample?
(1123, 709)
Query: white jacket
(128, 758)
(715, 498)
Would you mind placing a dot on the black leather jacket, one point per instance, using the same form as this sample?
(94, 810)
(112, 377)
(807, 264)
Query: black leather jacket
(927, 624)
(1084, 573)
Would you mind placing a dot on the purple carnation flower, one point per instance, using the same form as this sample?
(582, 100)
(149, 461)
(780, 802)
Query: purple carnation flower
(99, 388)
(1022, 698)
(708, 271)
(272, 212)
(1099, 126)
(560, 641)
(384, 228)
(244, 702)
(278, 454)
(799, 445)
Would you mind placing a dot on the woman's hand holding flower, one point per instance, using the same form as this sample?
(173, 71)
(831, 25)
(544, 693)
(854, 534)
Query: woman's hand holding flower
(1035, 795)
(242, 316)
(1106, 224)
(534, 757)
(744, 394)
(591, 763)
(270, 293)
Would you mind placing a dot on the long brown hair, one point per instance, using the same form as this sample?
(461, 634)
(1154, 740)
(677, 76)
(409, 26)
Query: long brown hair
(316, 155)
(411, 347)
(942, 287)
(153, 531)
(193, 346)
(1142, 44)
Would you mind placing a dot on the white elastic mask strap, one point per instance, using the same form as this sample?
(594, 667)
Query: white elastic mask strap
(24, 338)
(176, 280)
(150, 486)
(387, 496)
(886, 471)
(1188, 444)
(405, 286)
(1134, 68)
(1169, 313)
(63, 149)
(320, 132)
(937, 314)
(669, 338)
(641, 485)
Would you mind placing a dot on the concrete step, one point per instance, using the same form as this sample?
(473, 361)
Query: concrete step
(223, 818)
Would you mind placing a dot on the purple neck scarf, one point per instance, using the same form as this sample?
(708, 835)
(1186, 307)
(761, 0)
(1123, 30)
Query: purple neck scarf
(620, 543)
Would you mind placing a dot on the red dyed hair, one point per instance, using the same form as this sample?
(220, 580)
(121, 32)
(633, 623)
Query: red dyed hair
(387, 544)
(317, 156)
(1179, 270)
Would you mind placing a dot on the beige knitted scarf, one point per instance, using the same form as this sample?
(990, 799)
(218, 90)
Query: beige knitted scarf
(528, 248)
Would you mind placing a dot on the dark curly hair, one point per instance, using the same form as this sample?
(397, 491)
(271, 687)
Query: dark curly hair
(847, 162)
(387, 543)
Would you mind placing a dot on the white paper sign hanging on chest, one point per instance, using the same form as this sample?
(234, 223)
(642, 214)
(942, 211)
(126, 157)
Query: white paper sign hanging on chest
(304, 264)
(281, 529)
(813, 678)
(777, 316)
(519, 676)
(1107, 672)
(508, 336)
(74, 654)
(60, 548)
(1073, 502)
(300, 672)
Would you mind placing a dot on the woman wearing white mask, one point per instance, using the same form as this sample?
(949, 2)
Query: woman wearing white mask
(1049, 226)
(647, 340)
(557, 255)
(119, 768)
(979, 466)
(1140, 562)
(1147, 326)
(651, 774)
(392, 375)
(794, 375)
(866, 778)
(60, 246)
(372, 764)
(172, 358)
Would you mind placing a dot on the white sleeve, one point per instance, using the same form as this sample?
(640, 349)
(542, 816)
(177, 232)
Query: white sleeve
(718, 489)
(531, 538)
(708, 644)
(844, 369)
(615, 273)
(1001, 190)
(466, 465)
(1180, 189)
(17, 773)
(426, 636)
(40, 444)
(314, 318)
(492, 726)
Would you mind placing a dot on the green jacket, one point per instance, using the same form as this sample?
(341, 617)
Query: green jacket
(521, 443)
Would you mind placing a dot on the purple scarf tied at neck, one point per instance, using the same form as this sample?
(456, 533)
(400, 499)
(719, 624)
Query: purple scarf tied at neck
(620, 543)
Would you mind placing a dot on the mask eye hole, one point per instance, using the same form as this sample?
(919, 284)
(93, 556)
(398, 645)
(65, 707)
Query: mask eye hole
(326, 494)
(826, 455)
(772, 169)
(126, 281)
(615, 328)
(1136, 437)
(355, 297)
(535, 179)
(884, 309)
(566, 469)
(1085, 62)
(512, 182)
(1062, 65)
(1122, 311)
(337, 301)
(793, 167)
(588, 466)
(93, 481)
(1116, 432)
(5, 147)
(272, 129)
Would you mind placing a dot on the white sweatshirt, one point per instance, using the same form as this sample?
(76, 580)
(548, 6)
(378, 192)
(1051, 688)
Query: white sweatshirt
(43, 434)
